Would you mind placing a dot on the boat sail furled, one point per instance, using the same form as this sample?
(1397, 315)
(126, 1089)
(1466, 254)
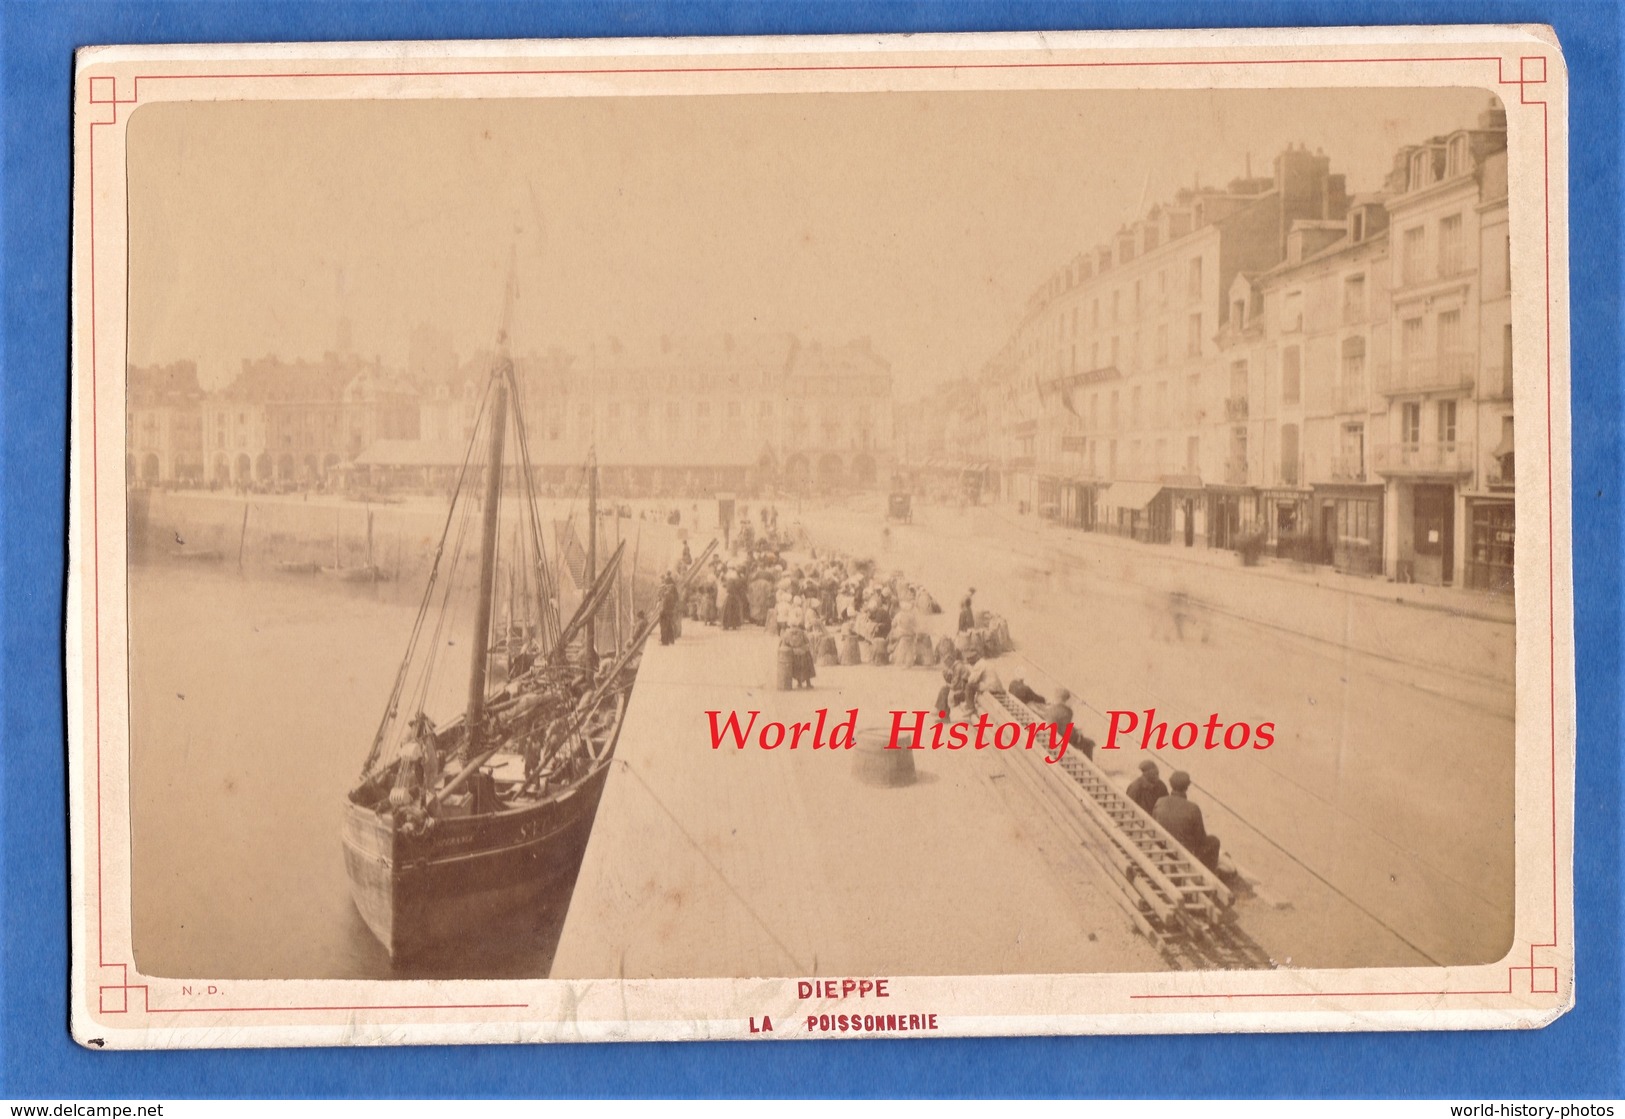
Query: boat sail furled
(453, 824)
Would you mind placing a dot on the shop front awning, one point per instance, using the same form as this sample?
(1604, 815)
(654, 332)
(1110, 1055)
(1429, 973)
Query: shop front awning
(1130, 495)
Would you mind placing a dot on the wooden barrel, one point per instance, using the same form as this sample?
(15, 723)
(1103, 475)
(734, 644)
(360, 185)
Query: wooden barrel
(874, 764)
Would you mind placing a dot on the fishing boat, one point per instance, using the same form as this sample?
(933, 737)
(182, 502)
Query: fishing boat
(455, 824)
(368, 572)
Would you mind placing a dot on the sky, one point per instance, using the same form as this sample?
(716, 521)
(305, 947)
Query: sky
(919, 220)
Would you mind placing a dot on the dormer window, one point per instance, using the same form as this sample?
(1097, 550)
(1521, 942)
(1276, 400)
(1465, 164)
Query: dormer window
(1456, 158)
(1357, 226)
(1419, 169)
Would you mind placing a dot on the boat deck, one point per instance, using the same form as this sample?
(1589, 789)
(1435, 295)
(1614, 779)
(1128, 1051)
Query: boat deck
(707, 863)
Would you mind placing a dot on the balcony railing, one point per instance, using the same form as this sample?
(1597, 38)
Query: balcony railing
(1433, 372)
(1421, 458)
(1235, 408)
(1347, 468)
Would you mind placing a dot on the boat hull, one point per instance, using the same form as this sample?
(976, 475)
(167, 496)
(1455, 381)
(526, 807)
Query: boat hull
(419, 893)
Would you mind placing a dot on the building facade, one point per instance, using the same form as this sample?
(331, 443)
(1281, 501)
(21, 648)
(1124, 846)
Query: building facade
(1114, 412)
(1447, 396)
(1279, 367)
(763, 412)
(1314, 348)
(297, 422)
(745, 413)
(164, 436)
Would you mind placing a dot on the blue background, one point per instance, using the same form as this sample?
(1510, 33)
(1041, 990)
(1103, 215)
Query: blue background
(1577, 1056)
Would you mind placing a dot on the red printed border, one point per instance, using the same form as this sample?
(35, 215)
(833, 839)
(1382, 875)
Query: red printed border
(114, 998)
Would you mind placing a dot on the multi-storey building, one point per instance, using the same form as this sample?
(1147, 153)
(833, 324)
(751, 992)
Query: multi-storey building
(688, 415)
(287, 422)
(940, 439)
(728, 412)
(1487, 562)
(164, 437)
(1446, 397)
(1344, 390)
(1115, 414)
(1305, 343)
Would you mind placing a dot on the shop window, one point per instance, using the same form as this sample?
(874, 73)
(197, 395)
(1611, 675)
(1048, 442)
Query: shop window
(1492, 538)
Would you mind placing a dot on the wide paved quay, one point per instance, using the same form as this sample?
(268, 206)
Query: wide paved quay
(740, 863)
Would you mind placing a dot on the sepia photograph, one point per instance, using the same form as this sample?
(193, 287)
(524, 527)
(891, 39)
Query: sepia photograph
(831, 537)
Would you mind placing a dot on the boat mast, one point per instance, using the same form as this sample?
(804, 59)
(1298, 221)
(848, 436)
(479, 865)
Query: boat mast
(488, 556)
(501, 370)
(590, 652)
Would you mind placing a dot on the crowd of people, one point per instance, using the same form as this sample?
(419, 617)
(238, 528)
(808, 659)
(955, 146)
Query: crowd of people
(832, 609)
(837, 609)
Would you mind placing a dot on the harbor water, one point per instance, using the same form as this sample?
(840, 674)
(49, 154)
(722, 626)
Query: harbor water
(256, 702)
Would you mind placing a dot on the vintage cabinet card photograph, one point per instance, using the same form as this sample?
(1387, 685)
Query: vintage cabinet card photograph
(820, 538)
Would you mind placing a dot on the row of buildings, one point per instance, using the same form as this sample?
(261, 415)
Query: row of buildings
(1274, 364)
(680, 416)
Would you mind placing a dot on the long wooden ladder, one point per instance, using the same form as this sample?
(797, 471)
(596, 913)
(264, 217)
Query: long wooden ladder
(1170, 894)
